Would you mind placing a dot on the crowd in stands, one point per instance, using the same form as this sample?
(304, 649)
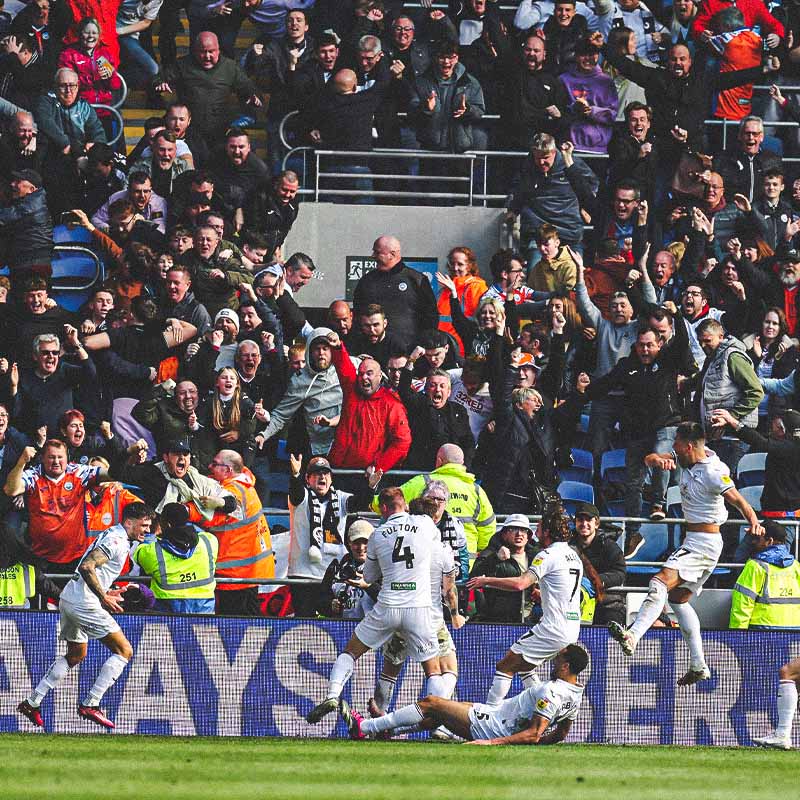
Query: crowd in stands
(654, 286)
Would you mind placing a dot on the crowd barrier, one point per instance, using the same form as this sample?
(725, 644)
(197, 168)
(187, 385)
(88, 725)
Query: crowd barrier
(259, 677)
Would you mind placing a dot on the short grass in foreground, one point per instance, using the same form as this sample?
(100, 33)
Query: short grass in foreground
(142, 767)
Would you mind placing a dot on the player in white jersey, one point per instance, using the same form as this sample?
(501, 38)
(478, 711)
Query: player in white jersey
(558, 569)
(444, 571)
(706, 486)
(85, 607)
(541, 714)
(399, 552)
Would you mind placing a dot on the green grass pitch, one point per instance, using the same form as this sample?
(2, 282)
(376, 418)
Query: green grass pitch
(144, 767)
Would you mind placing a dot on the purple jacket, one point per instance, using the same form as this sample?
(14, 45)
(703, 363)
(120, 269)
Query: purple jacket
(591, 133)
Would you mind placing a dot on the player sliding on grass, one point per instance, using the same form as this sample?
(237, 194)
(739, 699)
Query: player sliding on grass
(401, 552)
(706, 485)
(84, 606)
(542, 714)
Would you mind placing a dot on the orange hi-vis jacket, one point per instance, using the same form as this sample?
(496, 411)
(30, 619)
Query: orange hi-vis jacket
(108, 510)
(245, 547)
(469, 289)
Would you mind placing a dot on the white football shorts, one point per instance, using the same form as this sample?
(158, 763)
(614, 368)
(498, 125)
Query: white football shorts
(395, 650)
(79, 623)
(415, 625)
(696, 559)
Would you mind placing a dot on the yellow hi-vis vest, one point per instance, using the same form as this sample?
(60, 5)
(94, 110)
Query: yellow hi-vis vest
(180, 578)
(17, 583)
(588, 606)
(766, 596)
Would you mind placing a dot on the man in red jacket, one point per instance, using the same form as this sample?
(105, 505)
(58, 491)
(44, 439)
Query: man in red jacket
(753, 11)
(373, 432)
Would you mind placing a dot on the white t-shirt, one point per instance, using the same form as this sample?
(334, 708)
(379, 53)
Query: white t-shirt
(702, 488)
(555, 700)
(559, 571)
(400, 550)
(115, 544)
(479, 406)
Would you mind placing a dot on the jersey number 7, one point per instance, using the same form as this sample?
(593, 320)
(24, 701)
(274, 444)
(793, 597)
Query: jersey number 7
(405, 554)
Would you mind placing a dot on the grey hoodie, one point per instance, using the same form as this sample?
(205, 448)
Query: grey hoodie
(318, 392)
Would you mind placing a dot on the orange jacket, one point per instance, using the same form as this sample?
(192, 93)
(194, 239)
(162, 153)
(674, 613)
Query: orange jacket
(108, 510)
(469, 289)
(245, 547)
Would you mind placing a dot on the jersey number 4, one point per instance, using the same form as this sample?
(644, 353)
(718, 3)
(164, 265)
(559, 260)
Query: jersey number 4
(400, 553)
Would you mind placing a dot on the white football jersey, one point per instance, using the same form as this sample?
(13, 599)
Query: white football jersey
(554, 700)
(115, 544)
(559, 571)
(400, 551)
(442, 563)
(702, 488)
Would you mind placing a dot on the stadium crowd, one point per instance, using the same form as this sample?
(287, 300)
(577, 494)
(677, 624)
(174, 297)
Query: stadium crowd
(654, 287)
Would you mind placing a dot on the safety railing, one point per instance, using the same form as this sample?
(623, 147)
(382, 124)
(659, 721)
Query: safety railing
(63, 285)
(114, 112)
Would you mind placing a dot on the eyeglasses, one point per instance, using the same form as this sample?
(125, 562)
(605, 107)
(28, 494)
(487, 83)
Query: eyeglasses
(624, 202)
(49, 352)
(437, 499)
(688, 293)
(216, 464)
(67, 85)
(3, 415)
(403, 28)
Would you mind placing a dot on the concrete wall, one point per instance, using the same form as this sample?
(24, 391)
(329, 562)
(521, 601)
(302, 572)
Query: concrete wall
(332, 232)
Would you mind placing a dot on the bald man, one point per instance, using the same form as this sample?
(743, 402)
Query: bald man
(203, 80)
(404, 293)
(340, 318)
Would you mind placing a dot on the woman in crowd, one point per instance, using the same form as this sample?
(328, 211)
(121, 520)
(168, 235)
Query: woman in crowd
(462, 266)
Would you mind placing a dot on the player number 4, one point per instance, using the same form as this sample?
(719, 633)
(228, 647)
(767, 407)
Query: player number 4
(400, 553)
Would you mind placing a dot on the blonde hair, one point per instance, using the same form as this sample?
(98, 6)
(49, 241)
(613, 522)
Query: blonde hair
(217, 411)
(495, 304)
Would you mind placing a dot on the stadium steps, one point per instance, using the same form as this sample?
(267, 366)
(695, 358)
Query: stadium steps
(136, 109)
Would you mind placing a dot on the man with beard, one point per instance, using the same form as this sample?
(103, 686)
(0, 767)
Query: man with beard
(374, 337)
(240, 171)
(163, 166)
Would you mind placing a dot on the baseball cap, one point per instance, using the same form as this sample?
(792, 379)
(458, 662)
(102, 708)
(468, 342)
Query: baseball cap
(792, 256)
(174, 514)
(178, 446)
(587, 509)
(30, 175)
(360, 529)
(517, 521)
(318, 464)
(527, 360)
(227, 313)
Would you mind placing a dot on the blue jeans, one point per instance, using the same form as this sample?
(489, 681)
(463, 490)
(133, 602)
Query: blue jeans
(186, 606)
(729, 451)
(138, 57)
(605, 413)
(659, 442)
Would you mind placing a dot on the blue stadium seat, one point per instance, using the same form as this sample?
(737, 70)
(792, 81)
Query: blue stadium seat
(674, 508)
(273, 520)
(612, 466)
(282, 454)
(753, 496)
(572, 492)
(750, 471)
(62, 234)
(279, 489)
(582, 468)
(615, 508)
(656, 544)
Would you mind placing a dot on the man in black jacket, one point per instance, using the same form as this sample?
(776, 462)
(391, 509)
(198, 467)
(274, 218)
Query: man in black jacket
(310, 78)
(650, 415)
(404, 293)
(273, 209)
(25, 226)
(433, 419)
(605, 556)
(533, 97)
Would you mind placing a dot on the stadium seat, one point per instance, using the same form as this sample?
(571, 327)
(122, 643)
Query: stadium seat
(674, 508)
(753, 496)
(63, 234)
(277, 520)
(612, 466)
(282, 454)
(751, 470)
(615, 508)
(279, 489)
(656, 544)
(582, 468)
(573, 492)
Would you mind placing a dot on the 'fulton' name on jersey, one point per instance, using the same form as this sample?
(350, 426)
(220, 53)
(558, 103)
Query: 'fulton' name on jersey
(400, 552)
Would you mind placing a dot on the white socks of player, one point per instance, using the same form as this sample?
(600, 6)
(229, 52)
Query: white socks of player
(340, 674)
(436, 686)
(690, 630)
(499, 688)
(384, 691)
(406, 717)
(529, 679)
(787, 705)
(449, 681)
(109, 672)
(650, 609)
(57, 672)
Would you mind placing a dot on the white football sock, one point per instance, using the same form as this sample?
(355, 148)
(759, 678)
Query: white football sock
(530, 679)
(57, 672)
(384, 691)
(787, 706)
(109, 673)
(340, 674)
(650, 609)
(405, 717)
(690, 630)
(449, 679)
(435, 686)
(499, 688)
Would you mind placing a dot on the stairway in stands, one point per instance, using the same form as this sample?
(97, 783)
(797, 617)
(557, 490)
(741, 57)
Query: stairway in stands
(136, 110)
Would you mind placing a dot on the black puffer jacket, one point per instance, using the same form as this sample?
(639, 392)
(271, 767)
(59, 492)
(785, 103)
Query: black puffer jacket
(28, 227)
(606, 557)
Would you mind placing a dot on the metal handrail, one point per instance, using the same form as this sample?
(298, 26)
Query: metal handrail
(124, 89)
(282, 129)
(114, 113)
(98, 268)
